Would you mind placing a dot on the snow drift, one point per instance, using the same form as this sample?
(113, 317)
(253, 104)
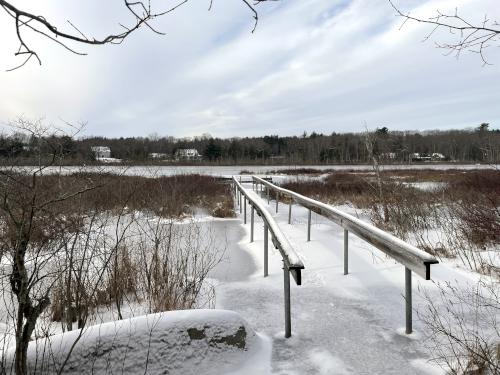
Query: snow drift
(177, 342)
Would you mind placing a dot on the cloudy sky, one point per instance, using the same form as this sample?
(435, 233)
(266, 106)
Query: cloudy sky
(311, 65)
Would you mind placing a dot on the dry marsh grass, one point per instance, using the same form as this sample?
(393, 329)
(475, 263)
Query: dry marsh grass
(171, 196)
(460, 219)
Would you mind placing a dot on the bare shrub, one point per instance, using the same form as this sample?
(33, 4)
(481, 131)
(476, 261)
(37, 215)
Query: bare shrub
(224, 209)
(70, 245)
(463, 327)
(478, 197)
(166, 196)
(338, 187)
(175, 262)
(461, 219)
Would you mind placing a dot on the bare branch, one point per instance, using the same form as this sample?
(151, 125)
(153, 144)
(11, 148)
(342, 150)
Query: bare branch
(141, 12)
(470, 37)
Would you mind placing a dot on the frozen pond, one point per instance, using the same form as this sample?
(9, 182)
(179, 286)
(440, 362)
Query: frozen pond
(156, 171)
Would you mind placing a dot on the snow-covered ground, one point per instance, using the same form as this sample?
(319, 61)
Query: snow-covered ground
(431, 186)
(228, 171)
(350, 324)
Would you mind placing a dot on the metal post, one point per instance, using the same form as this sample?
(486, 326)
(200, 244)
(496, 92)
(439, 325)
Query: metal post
(266, 245)
(251, 223)
(346, 251)
(408, 301)
(240, 202)
(267, 189)
(277, 200)
(245, 210)
(309, 226)
(288, 318)
(290, 213)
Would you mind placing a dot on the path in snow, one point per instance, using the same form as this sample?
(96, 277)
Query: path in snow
(350, 324)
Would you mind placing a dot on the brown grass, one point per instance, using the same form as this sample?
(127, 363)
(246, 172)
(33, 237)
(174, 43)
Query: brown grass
(165, 196)
(466, 210)
(337, 188)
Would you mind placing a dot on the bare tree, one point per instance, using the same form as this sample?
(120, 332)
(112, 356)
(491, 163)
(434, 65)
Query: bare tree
(32, 235)
(370, 143)
(467, 35)
(141, 11)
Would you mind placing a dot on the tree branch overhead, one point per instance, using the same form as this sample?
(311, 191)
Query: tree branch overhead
(468, 36)
(141, 11)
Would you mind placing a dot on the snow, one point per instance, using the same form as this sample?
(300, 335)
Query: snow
(178, 342)
(429, 186)
(349, 324)
(229, 171)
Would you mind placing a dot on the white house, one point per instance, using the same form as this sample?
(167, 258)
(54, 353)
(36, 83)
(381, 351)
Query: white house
(158, 155)
(101, 152)
(187, 154)
(438, 156)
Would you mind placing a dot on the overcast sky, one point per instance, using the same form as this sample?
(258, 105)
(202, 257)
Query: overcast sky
(311, 65)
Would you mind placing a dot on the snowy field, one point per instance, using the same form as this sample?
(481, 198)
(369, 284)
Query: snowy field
(228, 171)
(352, 324)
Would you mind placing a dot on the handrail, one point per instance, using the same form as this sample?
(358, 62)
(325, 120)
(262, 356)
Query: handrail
(291, 261)
(288, 253)
(408, 255)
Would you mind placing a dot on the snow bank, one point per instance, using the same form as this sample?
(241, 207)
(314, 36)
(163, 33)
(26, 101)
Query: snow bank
(178, 342)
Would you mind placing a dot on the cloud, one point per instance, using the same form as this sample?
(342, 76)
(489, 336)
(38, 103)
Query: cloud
(317, 65)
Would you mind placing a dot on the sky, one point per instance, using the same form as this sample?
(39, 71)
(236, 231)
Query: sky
(311, 65)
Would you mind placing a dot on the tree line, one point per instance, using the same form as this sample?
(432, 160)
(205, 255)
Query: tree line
(480, 144)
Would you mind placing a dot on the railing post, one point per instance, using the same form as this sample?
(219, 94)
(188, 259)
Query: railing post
(240, 201)
(268, 197)
(309, 226)
(288, 318)
(277, 200)
(266, 247)
(290, 212)
(245, 210)
(346, 251)
(251, 223)
(408, 301)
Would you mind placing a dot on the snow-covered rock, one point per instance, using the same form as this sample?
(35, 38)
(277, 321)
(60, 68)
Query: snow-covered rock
(177, 342)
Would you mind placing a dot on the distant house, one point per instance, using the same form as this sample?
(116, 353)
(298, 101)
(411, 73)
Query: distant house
(101, 152)
(420, 157)
(187, 154)
(388, 155)
(438, 156)
(158, 155)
